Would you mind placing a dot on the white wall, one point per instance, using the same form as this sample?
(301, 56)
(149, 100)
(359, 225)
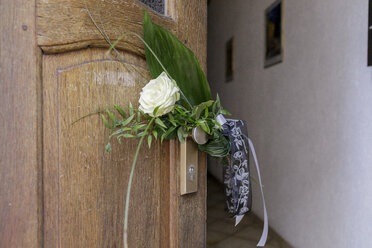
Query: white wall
(310, 117)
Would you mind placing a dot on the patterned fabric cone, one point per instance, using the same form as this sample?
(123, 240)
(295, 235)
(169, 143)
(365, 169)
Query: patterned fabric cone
(236, 174)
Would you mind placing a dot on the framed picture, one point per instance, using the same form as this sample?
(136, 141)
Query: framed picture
(274, 33)
(370, 34)
(229, 64)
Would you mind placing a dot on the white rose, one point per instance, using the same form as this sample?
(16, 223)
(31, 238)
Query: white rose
(162, 92)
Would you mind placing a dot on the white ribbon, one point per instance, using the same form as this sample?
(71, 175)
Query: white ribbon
(221, 120)
(265, 230)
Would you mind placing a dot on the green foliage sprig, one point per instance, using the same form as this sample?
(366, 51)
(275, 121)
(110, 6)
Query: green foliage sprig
(134, 123)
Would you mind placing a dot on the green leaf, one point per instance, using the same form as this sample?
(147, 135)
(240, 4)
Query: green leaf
(216, 123)
(120, 110)
(205, 127)
(138, 127)
(160, 123)
(196, 111)
(141, 134)
(218, 146)
(171, 119)
(130, 109)
(225, 112)
(149, 140)
(214, 107)
(127, 121)
(155, 133)
(108, 147)
(179, 61)
(179, 111)
(112, 117)
(167, 134)
(156, 110)
(126, 135)
(119, 131)
(218, 101)
(181, 134)
(199, 109)
(138, 116)
(106, 122)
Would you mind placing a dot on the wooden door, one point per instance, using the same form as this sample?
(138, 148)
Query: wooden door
(77, 191)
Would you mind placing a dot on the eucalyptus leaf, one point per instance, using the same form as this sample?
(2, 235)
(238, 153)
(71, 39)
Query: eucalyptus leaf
(179, 61)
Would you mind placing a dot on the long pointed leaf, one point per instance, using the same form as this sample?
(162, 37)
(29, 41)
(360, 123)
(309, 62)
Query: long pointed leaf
(126, 122)
(106, 122)
(180, 62)
(120, 110)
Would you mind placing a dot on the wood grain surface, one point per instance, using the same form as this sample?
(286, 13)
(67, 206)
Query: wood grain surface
(58, 187)
(64, 25)
(20, 129)
(84, 186)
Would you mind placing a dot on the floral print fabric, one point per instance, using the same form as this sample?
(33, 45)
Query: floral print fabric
(236, 174)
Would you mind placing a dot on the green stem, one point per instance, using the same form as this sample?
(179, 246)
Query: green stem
(125, 234)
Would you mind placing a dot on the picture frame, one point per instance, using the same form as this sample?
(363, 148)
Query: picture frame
(369, 59)
(229, 60)
(274, 34)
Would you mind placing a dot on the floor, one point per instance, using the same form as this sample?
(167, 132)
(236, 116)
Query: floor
(221, 232)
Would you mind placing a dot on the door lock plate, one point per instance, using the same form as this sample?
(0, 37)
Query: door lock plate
(189, 167)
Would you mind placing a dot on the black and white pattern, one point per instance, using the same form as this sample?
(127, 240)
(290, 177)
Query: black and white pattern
(236, 174)
(157, 5)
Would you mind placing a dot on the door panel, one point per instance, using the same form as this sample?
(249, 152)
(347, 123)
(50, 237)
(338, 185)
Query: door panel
(84, 187)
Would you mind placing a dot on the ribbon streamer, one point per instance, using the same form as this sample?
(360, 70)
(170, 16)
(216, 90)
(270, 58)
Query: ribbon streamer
(237, 176)
(265, 230)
